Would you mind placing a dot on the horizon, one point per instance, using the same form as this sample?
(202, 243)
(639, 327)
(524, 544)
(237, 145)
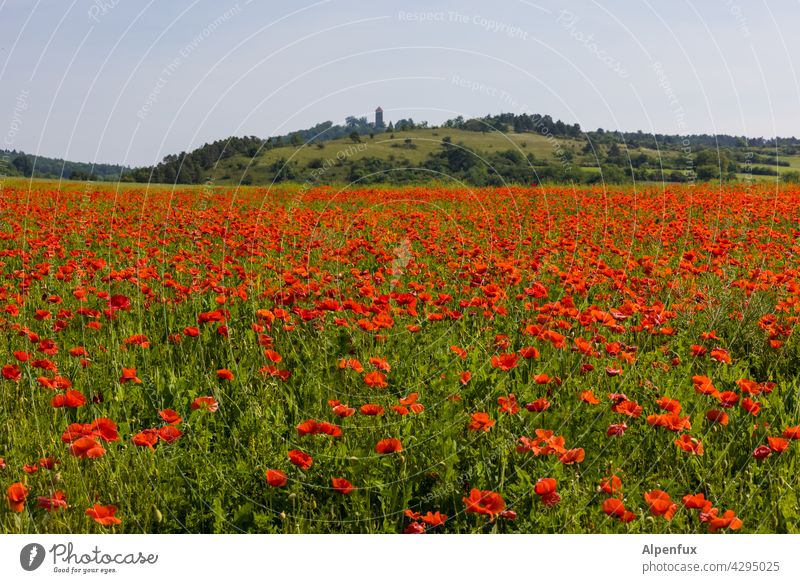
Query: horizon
(108, 82)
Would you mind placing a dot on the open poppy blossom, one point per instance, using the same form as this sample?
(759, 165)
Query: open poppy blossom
(224, 374)
(376, 379)
(146, 438)
(129, 376)
(169, 434)
(53, 502)
(388, 445)
(616, 508)
(87, 447)
(660, 504)
(505, 362)
(276, 478)
(301, 459)
(508, 404)
(480, 422)
(484, 502)
(205, 404)
(538, 406)
(689, 444)
(342, 486)
(104, 515)
(170, 416)
(16, 495)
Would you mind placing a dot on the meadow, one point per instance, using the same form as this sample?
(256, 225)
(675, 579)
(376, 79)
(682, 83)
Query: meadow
(420, 360)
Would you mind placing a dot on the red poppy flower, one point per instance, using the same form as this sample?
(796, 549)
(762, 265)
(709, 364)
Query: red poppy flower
(12, 372)
(87, 447)
(104, 515)
(119, 302)
(301, 459)
(726, 521)
(588, 397)
(376, 380)
(660, 504)
(224, 374)
(721, 355)
(485, 502)
(389, 445)
(505, 362)
(539, 405)
(508, 404)
(545, 488)
(777, 444)
(572, 456)
(616, 508)
(434, 519)
(616, 429)
(16, 495)
(205, 403)
(343, 411)
(170, 416)
(276, 478)
(792, 432)
(480, 422)
(717, 416)
(169, 434)
(342, 486)
(762, 452)
(611, 485)
(752, 407)
(129, 376)
(71, 399)
(689, 444)
(50, 503)
(372, 409)
(697, 501)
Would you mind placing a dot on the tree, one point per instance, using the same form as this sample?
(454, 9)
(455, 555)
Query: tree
(355, 137)
(23, 165)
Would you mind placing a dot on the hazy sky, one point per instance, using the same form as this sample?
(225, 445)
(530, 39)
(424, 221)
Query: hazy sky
(129, 81)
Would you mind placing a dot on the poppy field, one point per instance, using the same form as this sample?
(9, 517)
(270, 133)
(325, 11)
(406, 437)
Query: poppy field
(414, 360)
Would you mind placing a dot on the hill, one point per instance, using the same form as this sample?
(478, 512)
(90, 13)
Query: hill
(492, 150)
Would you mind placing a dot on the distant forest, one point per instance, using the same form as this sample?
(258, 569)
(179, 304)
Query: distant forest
(14, 163)
(724, 156)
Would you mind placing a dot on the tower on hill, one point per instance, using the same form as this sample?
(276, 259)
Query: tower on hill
(379, 118)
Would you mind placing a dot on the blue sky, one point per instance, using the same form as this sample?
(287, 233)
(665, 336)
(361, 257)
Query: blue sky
(129, 81)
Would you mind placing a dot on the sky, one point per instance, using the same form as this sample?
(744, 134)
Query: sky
(131, 81)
